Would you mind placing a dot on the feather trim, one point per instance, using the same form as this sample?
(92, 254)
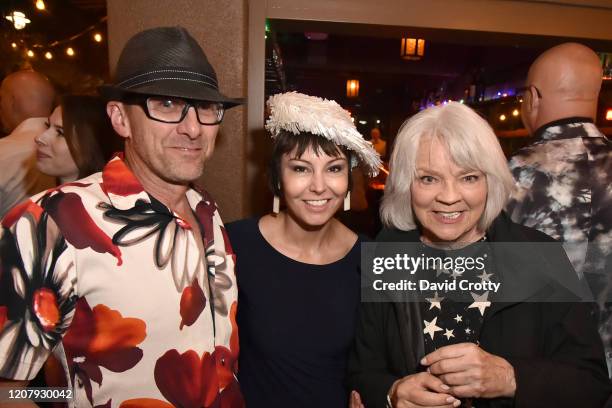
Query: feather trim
(295, 113)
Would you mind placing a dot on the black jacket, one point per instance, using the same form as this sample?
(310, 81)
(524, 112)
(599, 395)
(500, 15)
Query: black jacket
(554, 347)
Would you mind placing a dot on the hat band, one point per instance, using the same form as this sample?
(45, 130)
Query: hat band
(175, 74)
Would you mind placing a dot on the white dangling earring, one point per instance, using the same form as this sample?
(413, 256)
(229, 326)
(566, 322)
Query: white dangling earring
(276, 205)
(347, 201)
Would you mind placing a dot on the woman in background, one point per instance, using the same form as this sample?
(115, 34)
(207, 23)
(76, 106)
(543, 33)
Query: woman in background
(298, 268)
(78, 141)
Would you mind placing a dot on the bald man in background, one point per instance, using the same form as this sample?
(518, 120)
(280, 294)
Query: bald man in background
(564, 179)
(26, 101)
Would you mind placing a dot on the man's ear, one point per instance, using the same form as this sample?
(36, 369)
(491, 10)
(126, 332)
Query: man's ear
(534, 100)
(117, 113)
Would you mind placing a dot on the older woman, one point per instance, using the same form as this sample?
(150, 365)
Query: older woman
(298, 268)
(530, 344)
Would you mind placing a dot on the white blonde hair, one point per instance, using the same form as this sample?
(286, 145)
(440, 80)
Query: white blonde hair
(471, 144)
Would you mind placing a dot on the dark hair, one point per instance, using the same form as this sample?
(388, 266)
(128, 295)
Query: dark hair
(88, 132)
(286, 142)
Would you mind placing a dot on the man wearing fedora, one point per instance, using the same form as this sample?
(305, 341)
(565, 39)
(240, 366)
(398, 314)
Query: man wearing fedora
(127, 275)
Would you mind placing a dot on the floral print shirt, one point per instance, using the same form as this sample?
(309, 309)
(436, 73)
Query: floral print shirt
(564, 189)
(115, 284)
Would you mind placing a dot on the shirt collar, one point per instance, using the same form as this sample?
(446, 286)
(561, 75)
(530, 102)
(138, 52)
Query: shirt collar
(543, 133)
(124, 190)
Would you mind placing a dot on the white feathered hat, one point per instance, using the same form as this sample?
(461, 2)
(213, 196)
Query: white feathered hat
(296, 113)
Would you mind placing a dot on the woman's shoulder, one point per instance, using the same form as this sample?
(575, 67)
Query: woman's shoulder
(504, 229)
(242, 230)
(396, 235)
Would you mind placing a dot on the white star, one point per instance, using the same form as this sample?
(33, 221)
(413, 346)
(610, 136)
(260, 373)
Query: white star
(458, 318)
(485, 277)
(468, 331)
(448, 334)
(431, 328)
(441, 270)
(435, 301)
(480, 302)
(456, 274)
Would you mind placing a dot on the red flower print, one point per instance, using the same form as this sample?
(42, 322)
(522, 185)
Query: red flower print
(3, 318)
(119, 180)
(190, 381)
(46, 309)
(186, 380)
(193, 302)
(17, 211)
(65, 208)
(145, 403)
(101, 337)
(228, 244)
(231, 396)
(205, 211)
(227, 360)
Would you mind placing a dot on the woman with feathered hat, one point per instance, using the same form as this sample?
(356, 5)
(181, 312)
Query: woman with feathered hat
(298, 268)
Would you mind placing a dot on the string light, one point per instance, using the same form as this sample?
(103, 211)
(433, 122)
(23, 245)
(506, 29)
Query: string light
(18, 19)
(65, 44)
(40, 4)
(502, 117)
(515, 112)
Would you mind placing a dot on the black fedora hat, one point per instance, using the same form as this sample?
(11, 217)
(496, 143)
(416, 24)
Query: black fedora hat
(165, 61)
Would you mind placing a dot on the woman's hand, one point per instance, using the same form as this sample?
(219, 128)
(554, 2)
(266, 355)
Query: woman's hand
(355, 401)
(421, 390)
(471, 372)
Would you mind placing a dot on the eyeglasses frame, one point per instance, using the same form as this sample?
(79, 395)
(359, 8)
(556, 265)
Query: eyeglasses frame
(142, 101)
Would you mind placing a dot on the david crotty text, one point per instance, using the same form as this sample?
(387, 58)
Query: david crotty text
(446, 286)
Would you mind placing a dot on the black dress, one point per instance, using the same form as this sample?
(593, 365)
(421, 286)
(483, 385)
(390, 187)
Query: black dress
(296, 323)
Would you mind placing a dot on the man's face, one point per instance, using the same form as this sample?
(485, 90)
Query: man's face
(172, 152)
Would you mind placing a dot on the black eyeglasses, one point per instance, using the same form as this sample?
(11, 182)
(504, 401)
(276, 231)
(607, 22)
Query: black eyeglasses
(521, 90)
(168, 109)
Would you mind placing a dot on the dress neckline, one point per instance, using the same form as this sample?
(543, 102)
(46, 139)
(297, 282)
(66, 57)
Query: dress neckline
(280, 254)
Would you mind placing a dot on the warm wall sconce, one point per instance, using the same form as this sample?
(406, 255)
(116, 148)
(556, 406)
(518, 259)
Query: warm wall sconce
(412, 48)
(352, 88)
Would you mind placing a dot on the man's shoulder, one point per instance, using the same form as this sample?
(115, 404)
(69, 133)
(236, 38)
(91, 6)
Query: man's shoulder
(89, 189)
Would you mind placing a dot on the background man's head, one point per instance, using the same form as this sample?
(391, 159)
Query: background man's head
(563, 82)
(375, 134)
(24, 94)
